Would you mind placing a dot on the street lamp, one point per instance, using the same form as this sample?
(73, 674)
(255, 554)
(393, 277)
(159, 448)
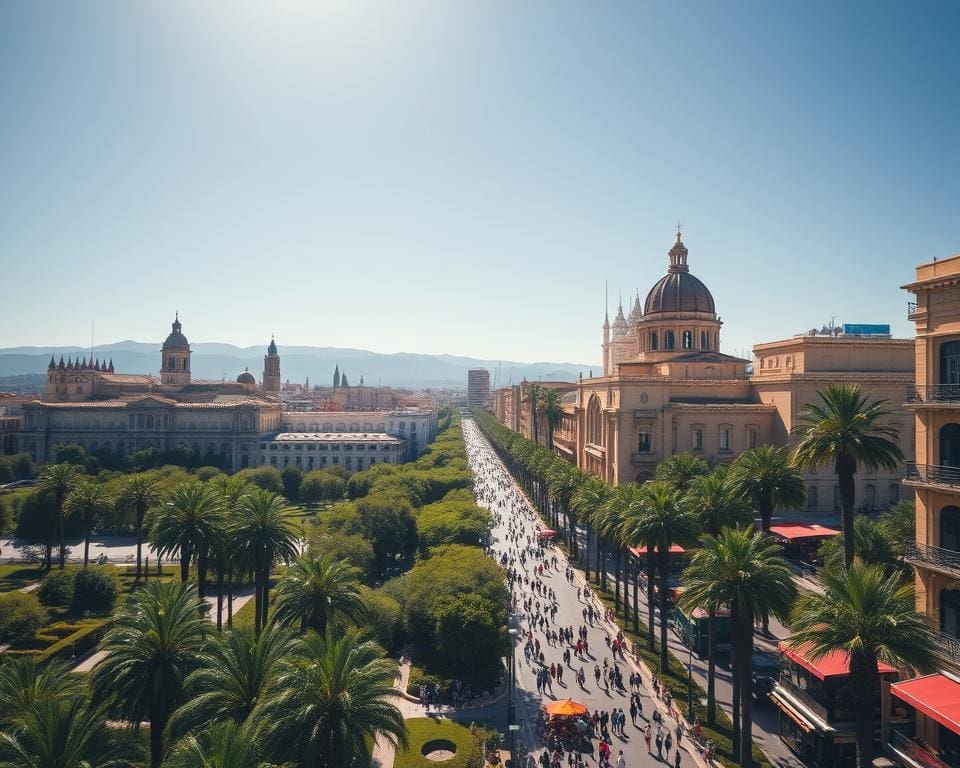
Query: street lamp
(512, 703)
(690, 684)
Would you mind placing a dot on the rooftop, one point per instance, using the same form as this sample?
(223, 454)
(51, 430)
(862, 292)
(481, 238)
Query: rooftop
(335, 437)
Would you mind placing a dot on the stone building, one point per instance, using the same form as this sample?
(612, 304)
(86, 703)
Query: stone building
(667, 388)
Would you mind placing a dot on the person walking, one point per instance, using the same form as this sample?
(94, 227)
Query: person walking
(647, 735)
(668, 744)
(676, 759)
(659, 742)
(621, 763)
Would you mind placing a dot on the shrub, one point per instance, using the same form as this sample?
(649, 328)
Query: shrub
(291, 477)
(95, 589)
(21, 615)
(207, 473)
(57, 588)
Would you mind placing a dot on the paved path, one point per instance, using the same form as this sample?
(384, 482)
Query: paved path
(514, 533)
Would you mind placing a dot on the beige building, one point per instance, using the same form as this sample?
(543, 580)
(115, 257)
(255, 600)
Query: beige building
(666, 388)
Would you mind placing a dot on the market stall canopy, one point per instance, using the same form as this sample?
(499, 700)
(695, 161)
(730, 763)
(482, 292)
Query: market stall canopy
(675, 549)
(937, 696)
(833, 664)
(794, 531)
(565, 707)
(546, 532)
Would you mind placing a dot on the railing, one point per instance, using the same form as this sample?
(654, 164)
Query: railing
(916, 750)
(911, 308)
(937, 393)
(932, 474)
(948, 647)
(945, 559)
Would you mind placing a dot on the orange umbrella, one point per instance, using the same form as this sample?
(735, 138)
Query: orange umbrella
(566, 707)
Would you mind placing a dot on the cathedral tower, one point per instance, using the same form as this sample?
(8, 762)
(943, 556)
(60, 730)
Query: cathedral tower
(175, 357)
(271, 369)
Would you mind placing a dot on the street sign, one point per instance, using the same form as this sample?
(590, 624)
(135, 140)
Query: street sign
(514, 727)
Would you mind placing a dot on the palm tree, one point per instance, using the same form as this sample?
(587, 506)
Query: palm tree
(228, 689)
(157, 638)
(680, 469)
(590, 495)
(665, 521)
(89, 500)
(314, 590)
(58, 480)
(631, 534)
(265, 532)
(139, 494)
(766, 478)
(23, 682)
(534, 392)
(551, 411)
(231, 489)
(331, 701)
(845, 429)
(742, 569)
(186, 525)
(222, 745)
(56, 733)
(715, 503)
(872, 618)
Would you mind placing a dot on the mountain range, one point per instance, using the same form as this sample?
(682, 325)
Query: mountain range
(215, 361)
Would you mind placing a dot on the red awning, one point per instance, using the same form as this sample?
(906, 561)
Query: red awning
(546, 532)
(675, 549)
(835, 664)
(937, 696)
(802, 531)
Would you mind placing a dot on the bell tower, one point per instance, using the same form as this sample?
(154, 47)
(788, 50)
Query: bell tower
(271, 369)
(175, 357)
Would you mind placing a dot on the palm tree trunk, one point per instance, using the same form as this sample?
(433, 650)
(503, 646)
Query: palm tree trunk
(202, 571)
(219, 593)
(139, 540)
(651, 627)
(746, 691)
(586, 552)
(663, 558)
(156, 739)
(712, 666)
(184, 563)
(86, 543)
(847, 491)
(230, 597)
(616, 583)
(735, 703)
(865, 681)
(63, 551)
(596, 536)
(626, 586)
(636, 599)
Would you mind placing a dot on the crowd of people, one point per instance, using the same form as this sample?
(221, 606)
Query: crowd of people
(559, 640)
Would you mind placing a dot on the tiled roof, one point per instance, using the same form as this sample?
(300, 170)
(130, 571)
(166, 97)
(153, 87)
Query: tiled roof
(334, 437)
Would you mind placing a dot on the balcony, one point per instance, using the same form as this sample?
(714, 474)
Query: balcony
(932, 474)
(643, 458)
(948, 648)
(911, 309)
(937, 394)
(944, 560)
(915, 752)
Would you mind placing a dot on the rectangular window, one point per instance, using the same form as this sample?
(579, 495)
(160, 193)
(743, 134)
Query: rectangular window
(643, 442)
(724, 439)
(751, 438)
(698, 440)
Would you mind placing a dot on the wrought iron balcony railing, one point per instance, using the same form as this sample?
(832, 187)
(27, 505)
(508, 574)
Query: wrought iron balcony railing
(933, 557)
(916, 750)
(936, 393)
(932, 474)
(911, 308)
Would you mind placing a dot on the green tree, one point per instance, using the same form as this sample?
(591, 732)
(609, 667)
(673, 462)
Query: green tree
(534, 393)
(314, 590)
(591, 495)
(741, 569)
(767, 479)
(58, 480)
(23, 682)
(872, 618)
(88, 500)
(331, 701)
(715, 503)
(221, 745)
(870, 544)
(846, 428)
(157, 638)
(551, 411)
(680, 469)
(186, 525)
(899, 525)
(229, 688)
(291, 477)
(665, 522)
(266, 531)
(56, 733)
(140, 494)
(230, 489)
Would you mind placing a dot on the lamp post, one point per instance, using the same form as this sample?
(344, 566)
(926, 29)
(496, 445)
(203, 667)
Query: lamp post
(690, 683)
(511, 702)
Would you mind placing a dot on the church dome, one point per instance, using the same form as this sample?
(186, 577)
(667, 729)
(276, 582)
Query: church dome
(246, 378)
(176, 338)
(678, 290)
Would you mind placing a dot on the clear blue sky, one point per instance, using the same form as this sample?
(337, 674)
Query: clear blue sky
(462, 177)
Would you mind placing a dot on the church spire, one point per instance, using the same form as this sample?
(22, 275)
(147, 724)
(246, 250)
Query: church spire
(336, 376)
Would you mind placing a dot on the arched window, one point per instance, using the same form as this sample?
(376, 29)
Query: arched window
(668, 340)
(653, 341)
(950, 362)
(950, 445)
(950, 612)
(594, 422)
(703, 340)
(869, 496)
(688, 339)
(150, 422)
(950, 528)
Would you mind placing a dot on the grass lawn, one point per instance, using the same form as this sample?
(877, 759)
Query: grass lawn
(16, 576)
(421, 730)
